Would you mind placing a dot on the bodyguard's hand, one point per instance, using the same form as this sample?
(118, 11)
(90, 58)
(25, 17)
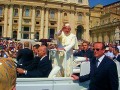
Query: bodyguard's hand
(75, 77)
(20, 71)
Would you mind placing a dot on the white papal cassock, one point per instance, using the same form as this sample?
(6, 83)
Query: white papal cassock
(68, 43)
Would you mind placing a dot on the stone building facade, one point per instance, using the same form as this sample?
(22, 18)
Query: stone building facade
(105, 23)
(38, 19)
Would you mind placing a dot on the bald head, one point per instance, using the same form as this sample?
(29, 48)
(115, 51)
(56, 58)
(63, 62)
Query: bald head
(42, 51)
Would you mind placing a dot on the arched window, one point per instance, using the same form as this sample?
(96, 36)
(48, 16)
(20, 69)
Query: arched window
(79, 17)
(0, 31)
(15, 12)
(52, 14)
(1, 11)
(38, 13)
(79, 33)
(37, 35)
(14, 34)
(65, 14)
(27, 12)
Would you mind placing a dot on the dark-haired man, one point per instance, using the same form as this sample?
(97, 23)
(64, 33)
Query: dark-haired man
(116, 53)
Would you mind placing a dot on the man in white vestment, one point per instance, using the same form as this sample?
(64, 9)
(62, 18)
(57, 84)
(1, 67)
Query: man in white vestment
(66, 42)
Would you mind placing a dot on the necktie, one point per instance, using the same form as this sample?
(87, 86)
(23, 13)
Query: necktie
(97, 63)
(114, 58)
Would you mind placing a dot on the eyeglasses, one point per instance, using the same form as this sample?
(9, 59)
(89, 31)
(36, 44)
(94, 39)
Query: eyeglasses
(97, 49)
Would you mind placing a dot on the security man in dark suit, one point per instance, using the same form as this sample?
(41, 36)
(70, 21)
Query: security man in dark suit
(25, 56)
(44, 66)
(116, 53)
(103, 71)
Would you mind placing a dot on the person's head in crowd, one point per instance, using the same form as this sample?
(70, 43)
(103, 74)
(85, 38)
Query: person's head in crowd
(99, 49)
(66, 29)
(42, 51)
(26, 44)
(44, 43)
(110, 48)
(35, 49)
(106, 49)
(115, 51)
(85, 45)
(19, 46)
(8, 74)
(80, 47)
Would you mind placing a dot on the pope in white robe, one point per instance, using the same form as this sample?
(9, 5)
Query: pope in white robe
(67, 42)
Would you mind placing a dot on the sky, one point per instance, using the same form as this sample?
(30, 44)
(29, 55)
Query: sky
(103, 2)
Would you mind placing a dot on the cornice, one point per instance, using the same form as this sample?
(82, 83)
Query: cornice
(106, 25)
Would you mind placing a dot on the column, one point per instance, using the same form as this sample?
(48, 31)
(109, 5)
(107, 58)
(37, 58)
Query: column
(95, 37)
(100, 37)
(46, 25)
(41, 23)
(87, 36)
(19, 23)
(33, 23)
(10, 22)
(61, 19)
(72, 22)
(5, 21)
(58, 19)
(106, 37)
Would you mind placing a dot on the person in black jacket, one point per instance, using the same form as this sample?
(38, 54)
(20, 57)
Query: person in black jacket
(116, 53)
(25, 56)
(103, 71)
(44, 66)
(85, 52)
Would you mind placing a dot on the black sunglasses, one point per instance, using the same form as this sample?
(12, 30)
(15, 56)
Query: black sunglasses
(97, 49)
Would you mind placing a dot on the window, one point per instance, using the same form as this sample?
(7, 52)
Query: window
(16, 12)
(79, 1)
(27, 12)
(1, 11)
(37, 35)
(37, 13)
(79, 17)
(37, 22)
(65, 14)
(52, 14)
(15, 21)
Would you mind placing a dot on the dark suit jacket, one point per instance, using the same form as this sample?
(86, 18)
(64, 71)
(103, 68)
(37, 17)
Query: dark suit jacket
(118, 58)
(25, 57)
(89, 53)
(43, 68)
(104, 77)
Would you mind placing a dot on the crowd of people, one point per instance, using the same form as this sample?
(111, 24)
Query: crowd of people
(34, 61)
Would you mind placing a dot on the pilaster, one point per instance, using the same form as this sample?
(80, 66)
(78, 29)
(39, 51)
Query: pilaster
(5, 21)
(9, 33)
(33, 23)
(42, 23)
(46, 24)
(58, 23)
(19, 23)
